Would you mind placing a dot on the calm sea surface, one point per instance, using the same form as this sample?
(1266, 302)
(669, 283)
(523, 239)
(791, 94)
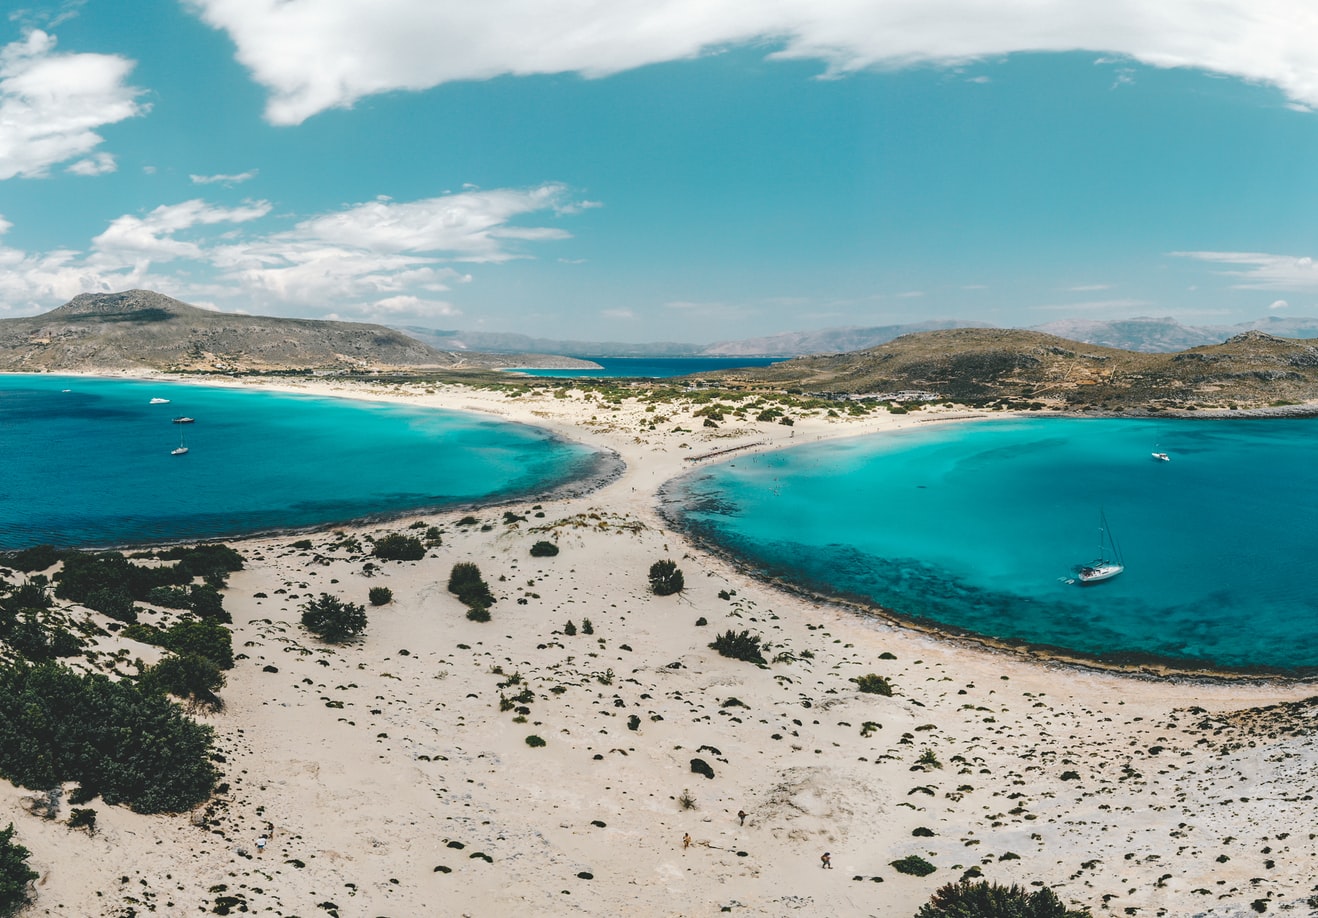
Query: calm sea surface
(87, 461)
(979, 526)
(655, 367)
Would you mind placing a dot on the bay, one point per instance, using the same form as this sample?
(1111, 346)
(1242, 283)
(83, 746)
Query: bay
(86, 461)
(651, 367)
(978, 526)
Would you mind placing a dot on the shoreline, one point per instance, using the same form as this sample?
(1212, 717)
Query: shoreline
(388, 776)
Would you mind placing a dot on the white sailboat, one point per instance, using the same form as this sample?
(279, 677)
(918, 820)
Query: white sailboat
(1109, 562)
(182, 447)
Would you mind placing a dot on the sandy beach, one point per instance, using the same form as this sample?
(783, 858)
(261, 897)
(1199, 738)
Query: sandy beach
(389, 781)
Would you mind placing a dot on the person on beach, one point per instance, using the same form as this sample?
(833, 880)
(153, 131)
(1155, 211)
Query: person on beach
(741, 814)
(826, 862)
(260, 844)
(686, 841)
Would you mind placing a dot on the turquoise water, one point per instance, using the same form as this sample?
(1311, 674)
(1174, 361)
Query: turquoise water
(92, 465)
(978, 527)
(654, 367)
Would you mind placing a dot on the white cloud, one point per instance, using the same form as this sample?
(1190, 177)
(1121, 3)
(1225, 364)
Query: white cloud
(224, 179)
(1262, 271)
(1087, 288)
(373, 259)
(617, 314)
(51, 105)
(101, 163)
(1279, 304)
(153, 236)
(314, 55)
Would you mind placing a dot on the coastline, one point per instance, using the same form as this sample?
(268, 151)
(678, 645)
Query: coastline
(382, 802)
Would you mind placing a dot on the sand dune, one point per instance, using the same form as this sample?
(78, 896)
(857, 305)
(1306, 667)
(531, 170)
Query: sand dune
(389, 782)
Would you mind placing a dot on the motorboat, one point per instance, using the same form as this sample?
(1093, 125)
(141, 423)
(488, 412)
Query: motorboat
(159, 401)
(184, 420)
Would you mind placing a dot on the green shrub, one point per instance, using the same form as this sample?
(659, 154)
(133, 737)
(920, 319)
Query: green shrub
(81, 818)
(333, 620)
(31, 594)
(170, 597)
(478, 614)
(543, 549)
(914, 865)
(666, 578)
(399, 547)
(118, 739)
(570, 629)
(36, 558)
(466, 583)
(534, 741)
(873, 684)
(587, 627)
(15, 874)
(380, 596)
(989, 900)
(743, 646)
(189, 676)
(201, 638)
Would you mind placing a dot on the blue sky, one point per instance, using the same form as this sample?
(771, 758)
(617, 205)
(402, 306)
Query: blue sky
(690, 170)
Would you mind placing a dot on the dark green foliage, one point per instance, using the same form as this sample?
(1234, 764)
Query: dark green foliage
(202, 638)
(380, 596)
(15, 874)
(534, 741)
(333, 620)
(124, 741)
(743, 646)
(989, 900)
(914, 865)
(543, 549)
(37, 558)
(701, 767)
(466, 583)
(206, 602)
(587, 627)
(399, 547)
(665, 578)
(478, 614)
(189, 676)
(170, 597)
(873, 684)
(82, 818)
(37, 643)
(634, 722)
(209, 560)
(112, 601)
(570, 628)
(31, 594)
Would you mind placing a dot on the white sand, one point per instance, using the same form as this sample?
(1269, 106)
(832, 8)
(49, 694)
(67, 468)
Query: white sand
(414, 795)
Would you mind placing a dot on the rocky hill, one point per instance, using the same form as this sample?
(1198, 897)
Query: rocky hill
(1006, 366)
(139, 329)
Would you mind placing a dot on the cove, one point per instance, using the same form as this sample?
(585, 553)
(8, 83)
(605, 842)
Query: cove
(87, 461)
(977, 526)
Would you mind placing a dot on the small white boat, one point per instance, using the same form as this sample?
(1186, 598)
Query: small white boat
(159, 401)
(1103, 567)
(183, 420)
(1162, 457)
(182, 447)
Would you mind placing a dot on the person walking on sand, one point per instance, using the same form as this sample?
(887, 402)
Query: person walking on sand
(741, 814)
(686, 841)
(826, 862)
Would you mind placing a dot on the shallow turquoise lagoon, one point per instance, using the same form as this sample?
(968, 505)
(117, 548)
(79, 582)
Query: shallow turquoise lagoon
(88, 461)
(978, 526)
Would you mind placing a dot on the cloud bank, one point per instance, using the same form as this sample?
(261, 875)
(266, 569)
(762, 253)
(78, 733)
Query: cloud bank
(51, 105)
(314, 55)
(374, 259)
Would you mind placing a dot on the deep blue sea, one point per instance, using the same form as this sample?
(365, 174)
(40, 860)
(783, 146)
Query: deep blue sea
(979, 525)
(654, 367)
(93, 466)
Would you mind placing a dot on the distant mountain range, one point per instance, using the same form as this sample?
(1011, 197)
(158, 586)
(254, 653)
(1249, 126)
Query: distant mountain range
(1147, 335)
(1020, 368)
